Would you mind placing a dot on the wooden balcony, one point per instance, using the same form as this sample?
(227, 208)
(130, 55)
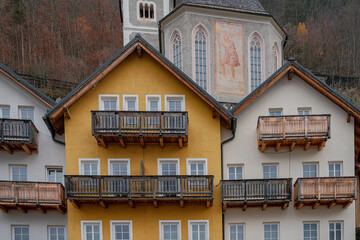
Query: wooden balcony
(256, 193)
(25, 196)
(127, 127)
(18, 135)
(325, 191)
(293, 131)
(134, 190)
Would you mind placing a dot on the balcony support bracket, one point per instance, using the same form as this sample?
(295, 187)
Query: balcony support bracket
(181, 203)
(208, 203)
(75, 204)
(316, 204)
(61, 209)
(346, 205)
(40, 209)
(299, 205)
(181, 142)
(161, 140)
(307, 146)
(264, 206)
(26, 149)
(224, 206)
(278, 145)
(4, 209)
(131, 204)
(332, 204)
(244, 207)
(322, 145)
(103, 204)
(263, 146)
(142, 142)
(122, 143)
(292, 146)
(7, 148)
(102, 142)
(285, 206)
(156, 203)
(22, 209)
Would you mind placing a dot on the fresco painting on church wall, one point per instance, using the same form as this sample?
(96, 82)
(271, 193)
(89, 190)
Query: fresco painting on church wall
(229, 59)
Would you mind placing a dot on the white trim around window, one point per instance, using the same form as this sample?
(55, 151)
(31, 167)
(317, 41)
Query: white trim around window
(116, 222)
(335, 229)
(316, 164)
(311, 230)
(57, 231)
(150, 98)
(162, 223)
(56, 169)
(118, 160)
(334, 170)
(236, 173)
(196, 160)
(96, 160)
(175, 97)
(103, 97)
(169, 160)
(271, 230)
(23, 233)
(83, 231)
(195, 222)
(130, 97)
(236, 225)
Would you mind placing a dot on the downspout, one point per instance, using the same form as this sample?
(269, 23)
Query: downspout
(52, 131)
(233, 130)
(160, 42)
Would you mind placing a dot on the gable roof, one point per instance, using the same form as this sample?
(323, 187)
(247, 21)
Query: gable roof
(55, 117)
(26, 86)
(248, 5)
(292, 67)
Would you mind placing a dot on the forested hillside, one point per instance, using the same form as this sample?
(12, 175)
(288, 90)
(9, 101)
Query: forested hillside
(65, 40)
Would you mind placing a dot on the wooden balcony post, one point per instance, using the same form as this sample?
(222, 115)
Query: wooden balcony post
(284, 127)
(37, 193)
(306, 125)
(1, 130)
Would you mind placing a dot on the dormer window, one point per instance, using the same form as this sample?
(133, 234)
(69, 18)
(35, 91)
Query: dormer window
(146, 10)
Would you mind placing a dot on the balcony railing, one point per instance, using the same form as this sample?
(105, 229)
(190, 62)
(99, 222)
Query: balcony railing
(140, 189)
(293, 131)
(32, 195)
(137, 127)
(328, 191)
(18, 135)
(256, 193)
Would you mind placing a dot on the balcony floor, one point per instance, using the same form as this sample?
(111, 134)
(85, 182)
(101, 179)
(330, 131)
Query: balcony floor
(11, 147)
(258, 204)
(292, 143)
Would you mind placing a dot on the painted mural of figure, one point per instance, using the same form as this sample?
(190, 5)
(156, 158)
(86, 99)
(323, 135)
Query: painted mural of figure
(230, 57)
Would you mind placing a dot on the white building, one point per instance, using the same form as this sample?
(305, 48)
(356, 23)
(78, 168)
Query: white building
(32, 164)
(289, 170)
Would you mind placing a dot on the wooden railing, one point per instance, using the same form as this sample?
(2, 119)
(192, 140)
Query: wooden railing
(256, 190)
(295, 126)
(32, 195)
(327, 188)
(139, 187)
(139, 123)
(15, 130)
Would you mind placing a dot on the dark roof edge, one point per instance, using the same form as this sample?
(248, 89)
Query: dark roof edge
(27, 85)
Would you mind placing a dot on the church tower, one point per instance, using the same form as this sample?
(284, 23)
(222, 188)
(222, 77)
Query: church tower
(142, 16)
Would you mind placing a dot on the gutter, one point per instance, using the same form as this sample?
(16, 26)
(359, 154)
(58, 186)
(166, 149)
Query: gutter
(52, 131)
(233, 130)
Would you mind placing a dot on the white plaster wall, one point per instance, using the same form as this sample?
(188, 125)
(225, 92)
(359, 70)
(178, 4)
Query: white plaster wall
(51, 154)
(290, 95)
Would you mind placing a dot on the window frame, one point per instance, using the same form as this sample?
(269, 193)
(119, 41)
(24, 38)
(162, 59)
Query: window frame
(83, 225)
(271, 164)
(341, 168)
(120, 222)
(125, 106)
(206, 222)
(277, 50)
(235, 165)
(119, 160)
(317, 228)
(171, 48)
(164, 222)
(13, 230)
(304, 109)
(196, 160)
(272, 223)
(273, 110)
(103, 97)
(11, 173)
(262, 60)
(20, 107)
(4, 106)
(174, 97)
(138, 11)
(310, 163)
(97, 160)
(342, 229)
(168, 160)
(54, 168)
(237, 224)
(55, 226)
(148, 99)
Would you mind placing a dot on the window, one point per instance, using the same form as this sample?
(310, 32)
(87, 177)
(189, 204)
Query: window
(271, 231)
(275, 111)
(176, 49)
(175, 103)
(18, 173)
(270, 171)
(146, 10)
(335, 169)
(200, 57)
(304, 111)
(170, 230)
(310, 170)
(131, 103)
(311, 231)
(235, 172)
(196, 166)
(237, 232)
(153, 103)
(109, 102)
(256, 60)
(55, 175)
(276, 56)
(91, 230)
(168, 167)
(90, 166)
(198, 230)
(4, 111)
(56, 233)
(335, 231)
(20, 233)
(121, 230)
(26, 113)
(119, 166)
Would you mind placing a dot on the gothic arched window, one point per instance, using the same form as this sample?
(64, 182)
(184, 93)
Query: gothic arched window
(176, 49)
(201, 58)
(256, 50)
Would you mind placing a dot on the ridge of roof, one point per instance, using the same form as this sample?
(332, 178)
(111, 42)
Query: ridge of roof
(26, 85)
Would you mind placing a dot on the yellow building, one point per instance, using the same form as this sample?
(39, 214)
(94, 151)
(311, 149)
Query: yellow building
(143, 151)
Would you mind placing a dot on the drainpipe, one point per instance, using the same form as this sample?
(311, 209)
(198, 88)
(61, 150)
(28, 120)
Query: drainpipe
(52, 131)
(233, 130)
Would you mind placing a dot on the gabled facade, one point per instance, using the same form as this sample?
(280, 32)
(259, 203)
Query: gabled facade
(32, 164)
(289, 170)
(143, 151)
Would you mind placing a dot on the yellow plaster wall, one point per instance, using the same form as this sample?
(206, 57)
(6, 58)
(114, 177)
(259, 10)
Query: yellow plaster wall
(143, 76)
